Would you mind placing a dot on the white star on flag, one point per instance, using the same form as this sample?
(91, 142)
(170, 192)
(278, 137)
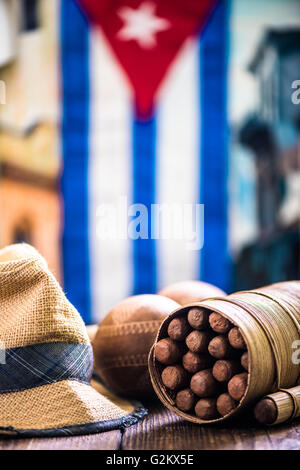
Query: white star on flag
(141, 25)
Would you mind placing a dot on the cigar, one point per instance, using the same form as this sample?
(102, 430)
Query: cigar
(206, 408)
(224, 369)
(167, 351)
(178, 329)
(265, 411)
(244, 360)
(204, 384)
(237, 385)
(220, 348)
(279, 407)
(185, 399)
(193, 362)
(236, 339)
(197, 341)
(174, 377)
(219, 323)
(225, 404)
(198, 318)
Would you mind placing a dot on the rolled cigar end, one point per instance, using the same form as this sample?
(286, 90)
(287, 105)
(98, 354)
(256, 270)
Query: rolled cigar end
(236, 339)
(225, 404)
(206, 408)
(265, 411)
(174, 377)
(167, 351)
(219, 323)
(244, 360)
(198, 318)
(197, 341)
(193, 362)
(237, 386)
(178, 329)
(203, 384)
(220, 348)
(224, 370)
(185, 399)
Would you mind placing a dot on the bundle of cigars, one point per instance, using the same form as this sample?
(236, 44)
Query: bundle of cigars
(212, 359)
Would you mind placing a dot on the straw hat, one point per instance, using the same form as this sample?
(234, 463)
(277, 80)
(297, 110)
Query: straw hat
(46, 358)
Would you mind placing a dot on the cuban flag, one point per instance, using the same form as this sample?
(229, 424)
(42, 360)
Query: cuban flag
(144, 96)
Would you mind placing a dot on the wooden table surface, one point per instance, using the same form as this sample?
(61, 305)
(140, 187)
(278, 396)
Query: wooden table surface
(164, 430)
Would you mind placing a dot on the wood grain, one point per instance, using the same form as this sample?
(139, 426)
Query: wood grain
(162, 429)
(105, 441)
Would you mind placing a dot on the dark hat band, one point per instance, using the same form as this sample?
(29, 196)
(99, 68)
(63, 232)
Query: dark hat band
(40, 364)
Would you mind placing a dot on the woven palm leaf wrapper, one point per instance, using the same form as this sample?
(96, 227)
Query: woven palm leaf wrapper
(286, 400)
(269, 320)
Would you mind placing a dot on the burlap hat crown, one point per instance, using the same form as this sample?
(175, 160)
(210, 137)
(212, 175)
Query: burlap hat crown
(46, 357)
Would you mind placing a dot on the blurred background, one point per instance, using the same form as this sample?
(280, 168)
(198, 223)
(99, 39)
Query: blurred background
(156, 102)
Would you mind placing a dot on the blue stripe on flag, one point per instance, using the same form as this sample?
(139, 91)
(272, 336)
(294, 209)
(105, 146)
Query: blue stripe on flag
(214, 146)
(75, 127)
(144, 250)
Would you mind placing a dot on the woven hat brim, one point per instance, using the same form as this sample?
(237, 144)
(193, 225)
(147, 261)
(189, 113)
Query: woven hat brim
(63, 408)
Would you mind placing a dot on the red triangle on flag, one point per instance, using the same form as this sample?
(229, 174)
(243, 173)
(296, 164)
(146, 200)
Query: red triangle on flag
(146, 35)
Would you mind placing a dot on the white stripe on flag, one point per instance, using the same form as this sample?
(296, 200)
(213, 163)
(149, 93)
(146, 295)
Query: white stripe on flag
(109, 174)
(178, 159)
